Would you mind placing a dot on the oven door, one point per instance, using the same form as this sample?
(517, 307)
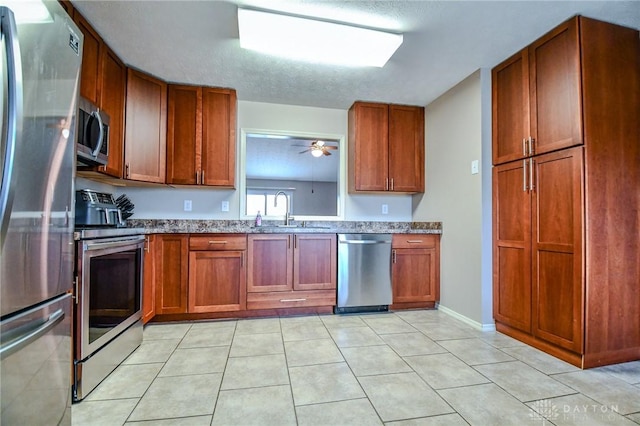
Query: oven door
(109, 290)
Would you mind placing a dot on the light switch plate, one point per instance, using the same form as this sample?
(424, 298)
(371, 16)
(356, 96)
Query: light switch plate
(474, 167)
(225, 206)
(187, 205)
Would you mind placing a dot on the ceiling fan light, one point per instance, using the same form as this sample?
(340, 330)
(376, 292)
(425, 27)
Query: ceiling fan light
(316, 41)
(316, 152)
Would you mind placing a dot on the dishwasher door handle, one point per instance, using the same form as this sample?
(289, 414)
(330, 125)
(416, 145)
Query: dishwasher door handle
(364, 242)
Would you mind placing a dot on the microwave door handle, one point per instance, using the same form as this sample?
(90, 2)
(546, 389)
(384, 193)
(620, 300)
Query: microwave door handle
(96, 151)
(14, 115)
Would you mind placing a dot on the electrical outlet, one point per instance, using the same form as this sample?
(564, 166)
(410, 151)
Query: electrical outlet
(385, 209)
(187, 205)
(475, 167)
(225, 206)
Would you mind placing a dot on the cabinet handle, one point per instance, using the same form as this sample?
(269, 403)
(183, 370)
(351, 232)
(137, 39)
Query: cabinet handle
(295, 241)
(146, 244)
(414, 241)
(524, 147)
(288, 241)
(524, 175)
(393, 256)
(217, 242)
(197, 177)
(392, 184)
(126, 170)
(386, 184)
(532, 184)
(202, 177)
(532, 141)
(292, 300)
(242, 259)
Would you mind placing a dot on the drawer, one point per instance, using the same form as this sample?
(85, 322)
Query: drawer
(415, 240)
(218, 242)
(291, 299)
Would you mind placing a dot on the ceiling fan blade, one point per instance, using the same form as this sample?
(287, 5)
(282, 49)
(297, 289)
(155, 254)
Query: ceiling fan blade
(326, 152)
(306, 150)
(329, 147)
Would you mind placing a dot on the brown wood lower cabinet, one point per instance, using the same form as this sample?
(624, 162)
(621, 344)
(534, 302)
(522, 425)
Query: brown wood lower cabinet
(415, 270)
(149, 280)
(291, 270)
(217, 273)
(172, 268)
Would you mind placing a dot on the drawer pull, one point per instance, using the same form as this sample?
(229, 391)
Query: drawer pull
(217, 242)
(292, 300)
(414, 241)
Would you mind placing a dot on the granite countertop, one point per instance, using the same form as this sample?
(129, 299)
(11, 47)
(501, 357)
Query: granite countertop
(178, 226)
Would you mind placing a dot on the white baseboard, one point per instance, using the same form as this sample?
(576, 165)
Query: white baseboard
(472, 323)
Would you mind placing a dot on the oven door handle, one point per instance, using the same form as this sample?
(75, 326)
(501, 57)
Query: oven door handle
(96, 245)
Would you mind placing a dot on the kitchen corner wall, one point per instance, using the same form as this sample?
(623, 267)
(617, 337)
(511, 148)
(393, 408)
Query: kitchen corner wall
(167, 203)
(458, 131)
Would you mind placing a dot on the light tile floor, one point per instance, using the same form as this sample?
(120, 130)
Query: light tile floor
(406, 368)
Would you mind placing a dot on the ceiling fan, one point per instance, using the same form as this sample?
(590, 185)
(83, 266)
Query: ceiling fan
(318, 148)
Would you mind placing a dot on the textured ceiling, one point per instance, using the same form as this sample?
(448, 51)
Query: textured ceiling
(196, 42)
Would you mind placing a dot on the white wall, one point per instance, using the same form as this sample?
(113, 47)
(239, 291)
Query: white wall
(167, 203)
(454, 196)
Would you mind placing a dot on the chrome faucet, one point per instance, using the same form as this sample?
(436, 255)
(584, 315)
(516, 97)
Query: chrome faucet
(287, 216)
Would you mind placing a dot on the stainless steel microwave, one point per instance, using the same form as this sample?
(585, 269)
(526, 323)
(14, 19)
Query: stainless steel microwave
(92, 144)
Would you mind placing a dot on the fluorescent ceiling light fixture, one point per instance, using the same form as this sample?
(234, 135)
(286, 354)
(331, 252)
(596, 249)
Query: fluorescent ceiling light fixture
(315, 41)
(28, 11)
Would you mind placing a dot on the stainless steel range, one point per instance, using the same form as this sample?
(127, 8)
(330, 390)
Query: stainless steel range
(108, 310)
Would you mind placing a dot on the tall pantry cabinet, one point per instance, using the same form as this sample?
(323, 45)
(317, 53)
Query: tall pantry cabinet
(566, 197)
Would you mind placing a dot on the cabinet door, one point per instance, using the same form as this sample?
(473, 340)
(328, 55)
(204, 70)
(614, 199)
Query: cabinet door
(555, 85)
(112, 99)
(90, 71)
(512, 245)
(146, 128)
(413, 274)
(149, 285)
(171, 274)
(217, 281)
(184, 134)
(510, 115)
(557, 248)
(218, 137)
(315, 262)
(270, 263)
(406, 148)
(368, 147)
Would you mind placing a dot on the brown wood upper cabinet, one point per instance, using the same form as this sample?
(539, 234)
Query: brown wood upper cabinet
(386, 148)
(146, 127)
(291, 270)
(217, 273)
(201, 136)
(103, 82)
(90, 72)
(113, 86)
(415, 270)
(537, 97)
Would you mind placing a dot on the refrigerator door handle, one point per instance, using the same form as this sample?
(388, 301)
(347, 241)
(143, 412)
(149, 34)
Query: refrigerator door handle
(41, 328)
(14, 114)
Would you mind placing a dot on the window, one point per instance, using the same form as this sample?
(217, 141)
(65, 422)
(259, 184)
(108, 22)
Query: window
(264, 202)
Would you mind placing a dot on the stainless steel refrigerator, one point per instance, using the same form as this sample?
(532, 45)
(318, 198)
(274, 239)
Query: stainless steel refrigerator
(41, 51)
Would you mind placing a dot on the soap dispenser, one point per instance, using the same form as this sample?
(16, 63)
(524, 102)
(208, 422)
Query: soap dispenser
(258, 219)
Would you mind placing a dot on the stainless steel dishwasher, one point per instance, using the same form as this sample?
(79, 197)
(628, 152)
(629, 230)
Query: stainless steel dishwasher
(364, 272)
